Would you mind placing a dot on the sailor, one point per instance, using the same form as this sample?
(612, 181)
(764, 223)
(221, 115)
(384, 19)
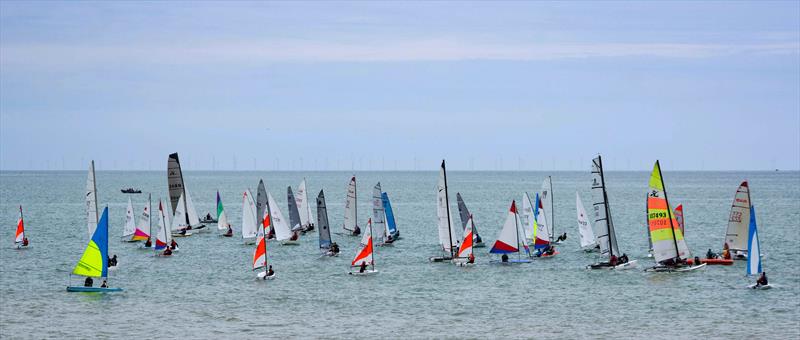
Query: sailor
(335, 248)
(363, 267)
(113, 261)
(356, 231)
(229, 232)
(710, 254)
(89, 282)
(270, 272)
(762, 280)
(104, 284)
(623, 258)
(167, 252)
(208, 217)
(295, 236)
(697, 260)
(562, 237)
(504, 258)
(726, 252)
(148, 244)
(471, 258)
(613, 260)
(173, 245)
(550, 250)
(25, 241)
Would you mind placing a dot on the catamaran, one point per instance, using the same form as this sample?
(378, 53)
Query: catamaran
(303, 206)
(464, 256)
(364, 254)
(754, 247)
(669, 247)
(464, 214)
(382, 235)
(276, 221)
(145, 228)
(607, 237)
(294, 214)
(510, 241)
(20, 240)
(350, 225)
(448, 240)
(325, 244)
(180, 199)
(94, 261)
(588, 239)
(391, 224)
(737, 233)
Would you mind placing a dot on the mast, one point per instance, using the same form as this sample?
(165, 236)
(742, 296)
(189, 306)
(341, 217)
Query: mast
(355, 200)
(605, 204)
(669, 213)
(447, 202)
(23, 222)
(264, 233)
(149, 217)
(107, 233)
(94, 185)
(371, 246)
(553, 209)
(516, 229)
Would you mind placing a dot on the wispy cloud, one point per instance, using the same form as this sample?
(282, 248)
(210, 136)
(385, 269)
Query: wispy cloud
(391, 51)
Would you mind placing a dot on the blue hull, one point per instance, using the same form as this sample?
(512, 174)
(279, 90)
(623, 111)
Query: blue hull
(93, 289)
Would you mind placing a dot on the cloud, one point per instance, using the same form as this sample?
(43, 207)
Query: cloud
(260, 51)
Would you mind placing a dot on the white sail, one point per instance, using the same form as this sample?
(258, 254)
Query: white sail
(350, 207)
(130, 221)
(92, 218)
(222, 221)
(526, 218)
(508, 241)
(584, 226)
(542, 231)
(179, 219)
(447, 230)
(282, 231)
(249, 219)
(606, 236)
(378, 214)
(163, 236)
(547, 204)
(144, 221)
(194, 219)
(303, 206)
(736, 235)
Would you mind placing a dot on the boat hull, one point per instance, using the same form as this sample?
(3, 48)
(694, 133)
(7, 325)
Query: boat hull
(664, 269)
(759, 287)
(511, 261)
(264, 276)
(712, 262)
(368, 272)
(81, 289)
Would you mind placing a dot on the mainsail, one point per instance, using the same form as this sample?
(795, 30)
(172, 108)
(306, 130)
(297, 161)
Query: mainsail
(19, 235)
(175, 181)
(294, 214)
(222, 219)
(322, 222)
(391, 225)
(541, 233)
(465, 250)
(526, 218)
(250, 221)
(584, 226)
(91, 201)
(282, 231)
(547, 205)
(365, 249)
(351, 207)
(606, 237)
(94, 261)
(464, 214)
(130, 221)
(163, 237)
(753, 246)
(665, 234)
(509, 240)
(303, 205)
(144, 228)
(378, 214)
(737, 234)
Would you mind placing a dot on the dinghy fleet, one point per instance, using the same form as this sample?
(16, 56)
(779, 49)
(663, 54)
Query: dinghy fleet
(527, 235)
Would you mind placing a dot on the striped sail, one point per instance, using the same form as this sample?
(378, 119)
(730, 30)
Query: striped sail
(378, 214)
(94, 261)
(19, 235)
(679, 217)
(143, 231)
(665, 234)
(508, 241)
(753, 246)
(738, 227)
(294, 214)
(365, 248)
(222, 219)
(350, 207)
(130, 221)
(322, 222)
(584, 226)
(91, 201)
(606, 236)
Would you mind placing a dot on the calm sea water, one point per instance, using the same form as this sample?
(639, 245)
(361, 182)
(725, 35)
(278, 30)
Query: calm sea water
(207, 290)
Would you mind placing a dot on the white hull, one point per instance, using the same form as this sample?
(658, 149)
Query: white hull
(756, 286)
(290, 243)
(367, 272)
(662, 269)
(263, 276)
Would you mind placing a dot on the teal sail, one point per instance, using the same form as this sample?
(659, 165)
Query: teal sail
(390, 223)
(753, 246)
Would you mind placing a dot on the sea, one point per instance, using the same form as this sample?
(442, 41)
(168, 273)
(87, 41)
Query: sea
(207, 290)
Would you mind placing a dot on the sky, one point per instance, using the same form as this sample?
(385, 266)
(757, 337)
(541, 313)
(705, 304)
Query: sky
(400, 85)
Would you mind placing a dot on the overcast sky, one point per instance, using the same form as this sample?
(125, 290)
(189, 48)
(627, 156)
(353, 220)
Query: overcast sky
(400, 85)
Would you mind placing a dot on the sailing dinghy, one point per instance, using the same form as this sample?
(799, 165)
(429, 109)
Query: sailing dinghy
(130, 223)
(145, 227)
(223, 226)
(754, 247)
(607, 237)
(260, 256)
(350, 225)
(283, 234)
(382, 236)
(163, 236)
(588, 240)
(448, 240)
(391, 224)
(669, 247)
(188, 218)
(294, 214)
(304, 207)
(465, 216)
(542, 238)
(327, 247)
(94, 261)
(20, 240)
(364, 254)
(736, 236)
(464, 256)
(509, 241)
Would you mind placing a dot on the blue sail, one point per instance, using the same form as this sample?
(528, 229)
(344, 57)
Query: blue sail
(387, 207)
(753, 246)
